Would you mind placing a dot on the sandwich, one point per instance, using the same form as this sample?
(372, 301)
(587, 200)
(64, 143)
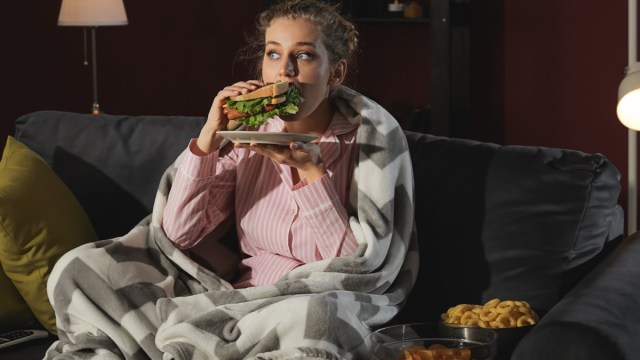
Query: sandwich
(256, 107)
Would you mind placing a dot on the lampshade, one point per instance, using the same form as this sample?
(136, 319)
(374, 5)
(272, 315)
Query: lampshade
(92, 13)
(628, 109)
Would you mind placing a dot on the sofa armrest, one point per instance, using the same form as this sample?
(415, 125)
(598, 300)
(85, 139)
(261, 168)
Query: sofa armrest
(598, 319)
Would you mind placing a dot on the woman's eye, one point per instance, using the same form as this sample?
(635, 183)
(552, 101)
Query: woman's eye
(304, 56)
(273, 55)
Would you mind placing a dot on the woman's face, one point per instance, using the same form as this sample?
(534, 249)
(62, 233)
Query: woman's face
(294, 52)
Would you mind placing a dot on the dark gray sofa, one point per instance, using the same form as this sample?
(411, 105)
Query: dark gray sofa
(514, 222)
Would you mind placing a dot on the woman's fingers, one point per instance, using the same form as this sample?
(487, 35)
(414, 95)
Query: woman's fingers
(276, 152)
(243, 87)
(217, 118)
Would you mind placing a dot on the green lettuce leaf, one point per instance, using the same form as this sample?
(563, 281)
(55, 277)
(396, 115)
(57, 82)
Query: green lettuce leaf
(261, 118)
(255, 106)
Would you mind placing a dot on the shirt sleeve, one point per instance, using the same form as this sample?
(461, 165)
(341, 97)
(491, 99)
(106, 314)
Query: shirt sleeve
(320, 206)
(201, 197)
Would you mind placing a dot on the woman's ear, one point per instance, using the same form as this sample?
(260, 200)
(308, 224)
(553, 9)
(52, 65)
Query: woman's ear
(339, 73)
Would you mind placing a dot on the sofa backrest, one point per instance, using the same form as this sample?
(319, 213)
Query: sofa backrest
(512, 222)
(112, 164)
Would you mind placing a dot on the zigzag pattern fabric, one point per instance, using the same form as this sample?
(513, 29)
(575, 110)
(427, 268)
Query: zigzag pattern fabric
(138, 297)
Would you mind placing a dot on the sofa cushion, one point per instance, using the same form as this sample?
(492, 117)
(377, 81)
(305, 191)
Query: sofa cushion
(40, 220)
(113, 164)
(549, 213)
(512, 222)
(14, 311)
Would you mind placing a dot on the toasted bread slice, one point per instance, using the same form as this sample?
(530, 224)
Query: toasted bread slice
(277, 100)
(273, 89)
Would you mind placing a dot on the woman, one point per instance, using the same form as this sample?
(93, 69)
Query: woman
(325, 229)
(273, 190)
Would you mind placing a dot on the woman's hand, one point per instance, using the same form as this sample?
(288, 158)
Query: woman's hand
(217, 119)
(304, 157)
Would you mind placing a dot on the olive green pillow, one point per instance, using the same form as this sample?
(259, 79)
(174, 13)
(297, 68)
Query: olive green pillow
(40, 220)
(14, 312)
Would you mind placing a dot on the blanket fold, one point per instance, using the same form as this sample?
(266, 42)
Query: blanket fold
(138, 297)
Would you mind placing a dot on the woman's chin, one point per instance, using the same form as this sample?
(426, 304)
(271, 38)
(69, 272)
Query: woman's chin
(289, 118)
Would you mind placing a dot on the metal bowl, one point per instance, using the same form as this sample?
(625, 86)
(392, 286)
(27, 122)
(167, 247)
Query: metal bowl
(389, 343)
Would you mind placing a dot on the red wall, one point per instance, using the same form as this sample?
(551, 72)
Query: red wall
(544, 72)
(170, 60)
(393, 66)
(563, 61)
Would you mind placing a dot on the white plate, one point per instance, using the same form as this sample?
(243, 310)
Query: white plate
(261, 137)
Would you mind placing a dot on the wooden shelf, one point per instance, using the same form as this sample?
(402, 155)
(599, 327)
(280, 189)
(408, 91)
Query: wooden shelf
(450, 44)
(449, 28)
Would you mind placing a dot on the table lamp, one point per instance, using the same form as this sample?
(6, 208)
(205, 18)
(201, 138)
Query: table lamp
(628, 112)
(91, 14)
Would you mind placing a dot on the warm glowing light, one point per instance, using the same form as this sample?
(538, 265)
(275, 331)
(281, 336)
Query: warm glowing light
(629, 99)
(629, 110)
(92, 13)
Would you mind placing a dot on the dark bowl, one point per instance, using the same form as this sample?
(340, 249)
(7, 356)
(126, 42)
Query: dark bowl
(388, 343)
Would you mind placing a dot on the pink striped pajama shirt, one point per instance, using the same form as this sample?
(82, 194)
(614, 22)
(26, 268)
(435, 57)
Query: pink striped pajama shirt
(280, 225)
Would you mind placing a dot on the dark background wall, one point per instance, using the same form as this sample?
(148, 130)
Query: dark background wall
(543, 72)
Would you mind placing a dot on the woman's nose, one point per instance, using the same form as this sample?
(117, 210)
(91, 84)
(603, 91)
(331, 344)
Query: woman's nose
(288, 69)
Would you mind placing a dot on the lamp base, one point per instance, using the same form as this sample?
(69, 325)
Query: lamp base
(95, 110)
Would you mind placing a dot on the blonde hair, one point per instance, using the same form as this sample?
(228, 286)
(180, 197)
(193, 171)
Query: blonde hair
(339, 35)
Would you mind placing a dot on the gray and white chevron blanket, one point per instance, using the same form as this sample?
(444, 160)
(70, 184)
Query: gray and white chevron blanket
(138, 297)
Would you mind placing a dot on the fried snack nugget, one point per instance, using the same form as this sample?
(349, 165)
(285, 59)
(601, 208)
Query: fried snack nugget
(495, 313)
(435, 352)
